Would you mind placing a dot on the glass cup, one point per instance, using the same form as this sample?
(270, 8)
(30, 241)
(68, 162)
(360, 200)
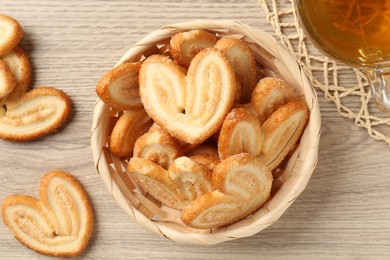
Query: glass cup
(354, 32)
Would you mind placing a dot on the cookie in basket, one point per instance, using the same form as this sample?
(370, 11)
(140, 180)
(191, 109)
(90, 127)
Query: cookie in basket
(183, 223)
(189, 107)
(242, 183)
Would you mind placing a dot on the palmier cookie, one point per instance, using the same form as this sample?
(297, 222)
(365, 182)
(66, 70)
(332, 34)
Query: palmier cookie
(119, 87)
(155, 180)
(157, 146)
(282, 130)
(244, 64)
(7, 80)
(240, 133)
(19, 65)
(11, 33)
(190, 178)
(130, 126)
(39, 112)
(268, 95)
(59, 224)
(185, 45)
(190, 108)
(242, 185)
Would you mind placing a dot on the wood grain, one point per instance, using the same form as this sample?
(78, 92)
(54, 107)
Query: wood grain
(344, 213)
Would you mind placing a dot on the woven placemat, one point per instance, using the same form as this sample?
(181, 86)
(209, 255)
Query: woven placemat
(344, 86)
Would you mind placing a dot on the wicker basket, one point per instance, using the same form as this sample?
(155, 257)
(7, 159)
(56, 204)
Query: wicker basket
(288, 183)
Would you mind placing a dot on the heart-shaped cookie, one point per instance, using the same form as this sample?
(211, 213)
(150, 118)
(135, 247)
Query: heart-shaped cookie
(242, 184)
(37, 113)
(190, 107)
(60, 223)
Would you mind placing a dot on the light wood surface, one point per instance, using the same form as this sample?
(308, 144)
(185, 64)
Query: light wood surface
(344, 212)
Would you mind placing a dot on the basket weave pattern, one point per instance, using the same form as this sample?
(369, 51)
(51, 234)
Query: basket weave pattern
(289, 182)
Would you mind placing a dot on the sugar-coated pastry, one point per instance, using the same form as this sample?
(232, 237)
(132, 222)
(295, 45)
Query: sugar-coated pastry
(190, 108)
(130, 126)
(157, 146)
(119, 87)
(211, 210)
(191, 178)
(244, 64)
(268, 95)
(185, 45)
(242, 184)
(155, 180)
(7, 80)
(282, 130)
(59, 224)
(19, 65)
(11, 33)
(240, 133)
(37, 113)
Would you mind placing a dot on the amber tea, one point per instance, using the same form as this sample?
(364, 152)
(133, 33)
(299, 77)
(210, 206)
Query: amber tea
(356, 32)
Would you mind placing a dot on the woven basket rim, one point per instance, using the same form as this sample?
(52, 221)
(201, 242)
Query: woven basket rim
(305, 158)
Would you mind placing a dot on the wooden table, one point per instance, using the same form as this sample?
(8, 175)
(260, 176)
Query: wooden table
(343, 213)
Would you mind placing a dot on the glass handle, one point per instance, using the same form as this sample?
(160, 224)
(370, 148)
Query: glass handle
(379, 80)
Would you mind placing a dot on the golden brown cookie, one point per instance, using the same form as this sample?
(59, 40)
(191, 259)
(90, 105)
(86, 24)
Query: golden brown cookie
(244, 64)
(268, 95)
(240, 133)
(242, 184)
(11, 33)
(190, 108)
(155, 180)
(130, 126)
(39, 112)
(59, 224)
(190, 178)
(119, 87)
(19, 65)
(159, 147)
(185, 45)
(282, 130)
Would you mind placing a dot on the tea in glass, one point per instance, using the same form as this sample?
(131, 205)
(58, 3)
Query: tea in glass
(356, 32)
